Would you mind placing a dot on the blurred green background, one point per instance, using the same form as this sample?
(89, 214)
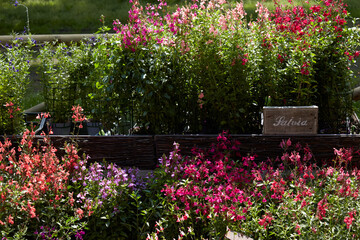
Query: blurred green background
(82, 16)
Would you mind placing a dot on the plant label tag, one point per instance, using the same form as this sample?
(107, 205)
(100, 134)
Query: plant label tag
(300, 120)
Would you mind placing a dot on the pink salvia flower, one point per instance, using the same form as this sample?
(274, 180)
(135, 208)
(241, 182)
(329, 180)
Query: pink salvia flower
(348, 220)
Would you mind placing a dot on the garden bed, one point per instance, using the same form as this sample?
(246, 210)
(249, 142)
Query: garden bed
(217, 190)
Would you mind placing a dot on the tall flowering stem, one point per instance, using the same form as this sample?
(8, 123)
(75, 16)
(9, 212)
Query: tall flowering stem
(16, 3)
(78, 118)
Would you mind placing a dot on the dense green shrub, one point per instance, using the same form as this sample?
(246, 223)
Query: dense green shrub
(64, 69)
(204, 68)
(294, 55)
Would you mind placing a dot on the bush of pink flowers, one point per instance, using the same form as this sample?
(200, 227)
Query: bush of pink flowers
(216, 189)
(294, 55)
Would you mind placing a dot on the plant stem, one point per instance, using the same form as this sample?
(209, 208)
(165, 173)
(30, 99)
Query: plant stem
(27, 18)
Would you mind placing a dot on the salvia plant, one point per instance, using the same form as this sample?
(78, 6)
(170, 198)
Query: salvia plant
(51, 193)
(217, 189)
(297, 55)
(34, 188)
(207, 66)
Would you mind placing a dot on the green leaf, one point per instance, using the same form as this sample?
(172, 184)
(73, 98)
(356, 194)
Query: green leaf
(166, 96)
(99, 85)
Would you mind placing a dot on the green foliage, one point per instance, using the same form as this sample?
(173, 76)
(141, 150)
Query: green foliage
(68, 75)
(151, 82)
(236, 65)
(14, 67)
(201, 69)
(149, 78)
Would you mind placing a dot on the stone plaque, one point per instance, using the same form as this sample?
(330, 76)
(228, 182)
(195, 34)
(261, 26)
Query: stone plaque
(290, 120)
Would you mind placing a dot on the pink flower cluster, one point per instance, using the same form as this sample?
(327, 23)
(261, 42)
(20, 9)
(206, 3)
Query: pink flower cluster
(78, 115)
(218, 183)
(11, 109)
(141, 25)
(215, 183)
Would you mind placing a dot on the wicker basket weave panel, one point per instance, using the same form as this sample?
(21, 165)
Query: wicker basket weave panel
(144, 151)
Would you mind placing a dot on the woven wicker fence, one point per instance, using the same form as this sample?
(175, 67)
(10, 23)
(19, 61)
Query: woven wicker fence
(265, 147)
(143, 151)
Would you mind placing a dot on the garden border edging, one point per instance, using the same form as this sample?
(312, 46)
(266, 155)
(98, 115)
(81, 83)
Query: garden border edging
(143, 151)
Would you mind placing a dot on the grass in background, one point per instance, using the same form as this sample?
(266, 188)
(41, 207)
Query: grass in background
(250, 5)
(82, 16)
(353, 7)
(60, 16)
(32, 97)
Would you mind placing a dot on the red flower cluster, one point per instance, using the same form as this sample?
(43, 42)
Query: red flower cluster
(11, 109)
(32, 174)
(266, 220)
(348, 220)
(78, 115)
(219, 184)
(215, 183)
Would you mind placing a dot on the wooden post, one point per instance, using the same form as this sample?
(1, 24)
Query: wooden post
(67, 38)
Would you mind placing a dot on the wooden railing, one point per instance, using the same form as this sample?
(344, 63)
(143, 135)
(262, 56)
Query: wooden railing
(67, 38)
